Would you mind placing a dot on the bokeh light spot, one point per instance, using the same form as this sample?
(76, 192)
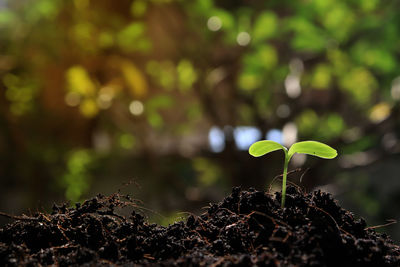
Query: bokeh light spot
(275, 135)
(136, 107)
(292, 85)
(395, 90)
(72, 99)
(379, 112)
(243, 38)
(214, 23)
(216, 139)
(289, 133)
(104, 101)
(245, 136)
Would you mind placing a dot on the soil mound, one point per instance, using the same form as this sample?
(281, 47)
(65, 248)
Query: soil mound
(247, 228)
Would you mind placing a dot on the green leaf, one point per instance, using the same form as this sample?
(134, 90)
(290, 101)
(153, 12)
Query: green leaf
(265, 27)
(313, 148)
(261, 148)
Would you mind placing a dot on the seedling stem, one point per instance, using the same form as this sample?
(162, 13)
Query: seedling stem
(312, 148)
(285, 168)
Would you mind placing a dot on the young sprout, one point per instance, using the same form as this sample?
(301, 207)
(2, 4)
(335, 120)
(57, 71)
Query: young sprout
(312, 148)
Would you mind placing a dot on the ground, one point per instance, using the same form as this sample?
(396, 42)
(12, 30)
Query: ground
(247, 228)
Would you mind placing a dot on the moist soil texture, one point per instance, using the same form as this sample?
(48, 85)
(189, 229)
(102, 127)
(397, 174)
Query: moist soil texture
(248, 228)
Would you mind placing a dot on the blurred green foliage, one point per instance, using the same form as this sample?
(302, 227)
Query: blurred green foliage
(103, 80)
(76, 179)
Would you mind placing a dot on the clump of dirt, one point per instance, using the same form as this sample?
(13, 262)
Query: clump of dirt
(247, 228)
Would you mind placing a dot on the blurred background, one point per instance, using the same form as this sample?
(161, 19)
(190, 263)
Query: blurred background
(167, 96)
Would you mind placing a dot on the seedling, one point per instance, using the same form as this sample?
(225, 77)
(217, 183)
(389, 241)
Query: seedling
(312, 148)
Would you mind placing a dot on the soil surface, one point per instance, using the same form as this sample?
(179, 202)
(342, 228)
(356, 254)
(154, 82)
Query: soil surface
(247, 228)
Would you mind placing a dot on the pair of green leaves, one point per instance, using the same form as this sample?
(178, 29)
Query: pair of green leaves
(313, 148)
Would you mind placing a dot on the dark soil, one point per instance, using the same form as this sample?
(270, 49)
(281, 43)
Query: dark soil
(246, 228)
